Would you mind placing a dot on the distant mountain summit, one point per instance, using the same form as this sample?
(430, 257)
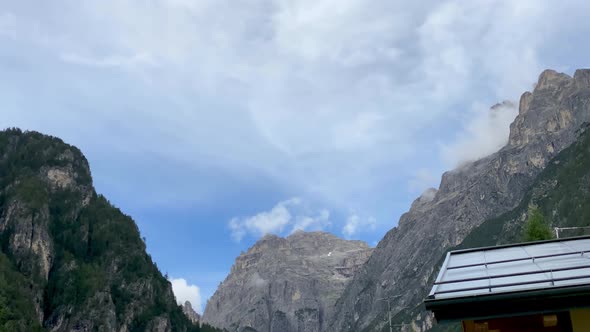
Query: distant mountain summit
(286, 284)
(69, 260)
(188, 310)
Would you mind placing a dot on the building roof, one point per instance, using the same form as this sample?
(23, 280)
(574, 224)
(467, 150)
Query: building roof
(512, 271)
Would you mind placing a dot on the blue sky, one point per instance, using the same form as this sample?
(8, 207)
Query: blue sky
(212, 122)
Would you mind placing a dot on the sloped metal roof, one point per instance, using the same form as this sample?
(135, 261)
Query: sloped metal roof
(509, 269)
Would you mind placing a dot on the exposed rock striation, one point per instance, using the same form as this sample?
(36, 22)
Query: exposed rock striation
(406, 259)
(286, 284)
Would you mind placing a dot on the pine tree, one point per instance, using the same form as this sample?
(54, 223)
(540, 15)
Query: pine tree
(536, 228)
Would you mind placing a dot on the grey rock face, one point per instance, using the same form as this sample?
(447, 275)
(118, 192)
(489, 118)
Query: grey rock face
(28, 224)
(30, 237)
(404, 262)
(159, 324)
(188, 310)
(286, 284)
(47, 192)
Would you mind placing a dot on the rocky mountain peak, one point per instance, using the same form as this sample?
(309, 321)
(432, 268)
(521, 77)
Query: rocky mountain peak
(286, 284)
(551, 79)
(582, 78)
(54, 168)
(525, 101)
(405, 261)
(540, 114)
(266, 242)
(188, 305)
(76, 262)
(190, 313)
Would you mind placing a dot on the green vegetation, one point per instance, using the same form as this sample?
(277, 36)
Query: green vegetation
(536, 229)
(26, 153)
(99, 262)
(17, 311)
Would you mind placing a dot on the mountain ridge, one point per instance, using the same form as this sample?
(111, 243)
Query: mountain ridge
(401, 264)
(560, 193)
(285, 283)
(69, 259)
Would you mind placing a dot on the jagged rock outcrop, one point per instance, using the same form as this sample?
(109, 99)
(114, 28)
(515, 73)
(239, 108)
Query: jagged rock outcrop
(67, 252)
(188, 310)
(286, 284)
(560, 193)
(406, 259)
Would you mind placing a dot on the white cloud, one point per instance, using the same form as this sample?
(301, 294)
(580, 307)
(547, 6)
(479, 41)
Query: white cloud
(355, 224)
(273, 221)
(238, 229)
(428, 195)
(139, 59)
(318, 222)
(291, 213)
(422, 179)
(485, 132)
(185, 292)
(7, 24)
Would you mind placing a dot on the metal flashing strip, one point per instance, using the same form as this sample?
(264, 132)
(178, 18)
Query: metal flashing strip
(441, 274)
(553, 280)
(515, 260)
(512, 245)
(515, 274)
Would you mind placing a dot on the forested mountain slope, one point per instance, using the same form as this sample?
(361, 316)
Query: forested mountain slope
(70, 260)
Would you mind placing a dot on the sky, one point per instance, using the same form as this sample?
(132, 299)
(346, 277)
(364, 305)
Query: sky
(214, 122)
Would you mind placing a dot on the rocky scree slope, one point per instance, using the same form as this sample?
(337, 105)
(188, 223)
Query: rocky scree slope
(405, 260)
(286, 284)
(69, 260)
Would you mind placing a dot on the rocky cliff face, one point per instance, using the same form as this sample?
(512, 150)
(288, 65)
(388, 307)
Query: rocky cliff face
(66, 251)
(286, 284)
(561, 193)
(192, 315)
(406, 259)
